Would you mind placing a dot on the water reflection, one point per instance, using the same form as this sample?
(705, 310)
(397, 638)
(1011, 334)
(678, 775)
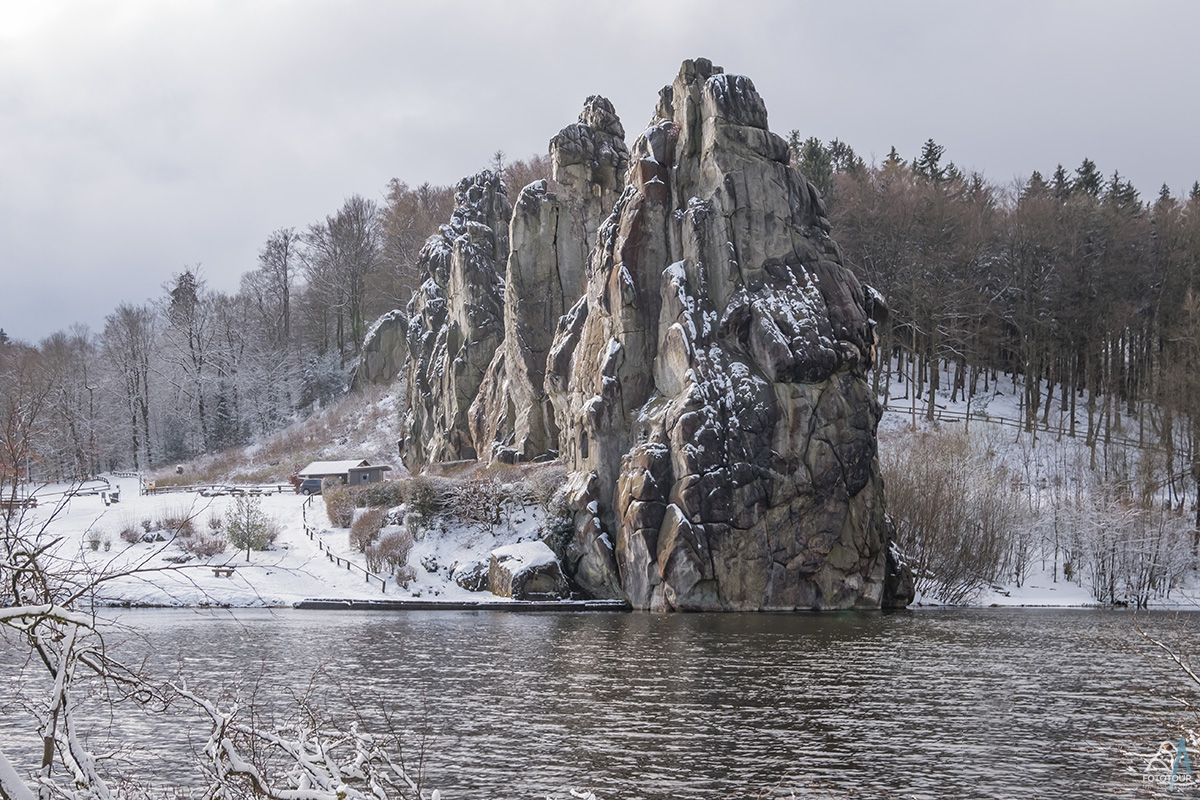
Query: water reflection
(989, 703)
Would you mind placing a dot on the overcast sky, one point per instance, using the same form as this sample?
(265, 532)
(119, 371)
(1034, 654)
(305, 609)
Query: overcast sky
(140, 137)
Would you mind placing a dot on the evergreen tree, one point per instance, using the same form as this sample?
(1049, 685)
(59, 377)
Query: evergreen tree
(1036, 187)
(1062, 184)
(928, 164)
(893, 163)
(814, 163)
(1121, 194)
(844, 159)
(1088, 179)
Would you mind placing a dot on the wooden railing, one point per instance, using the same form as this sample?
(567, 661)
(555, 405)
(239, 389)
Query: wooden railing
(219, 489)
(942, 414)
(336, 559)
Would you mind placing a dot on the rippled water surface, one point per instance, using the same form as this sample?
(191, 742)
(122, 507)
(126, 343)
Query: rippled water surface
(989, 703)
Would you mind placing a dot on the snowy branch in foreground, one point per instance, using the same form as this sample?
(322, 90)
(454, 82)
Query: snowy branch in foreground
(304, 759)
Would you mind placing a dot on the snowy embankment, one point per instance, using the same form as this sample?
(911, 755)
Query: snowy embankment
(1048, 474)
(1084, 520)
(296, 567)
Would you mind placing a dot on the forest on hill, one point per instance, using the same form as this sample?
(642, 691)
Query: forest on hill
(1074, 282)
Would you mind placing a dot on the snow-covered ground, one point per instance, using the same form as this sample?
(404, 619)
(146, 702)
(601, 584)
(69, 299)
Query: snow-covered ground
(1044, 465)
(295, 568)
(298, 567)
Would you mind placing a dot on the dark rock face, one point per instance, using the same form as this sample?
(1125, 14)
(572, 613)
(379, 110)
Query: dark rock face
(899, 588)
(710, 386)
(455, 322)
(551, 233)
(677, 325)
(385, 350)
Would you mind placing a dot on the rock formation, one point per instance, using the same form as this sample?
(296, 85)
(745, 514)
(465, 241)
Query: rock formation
(678, 326)
(455, 322)
(551, 234)
(385, 350)
(710, 386)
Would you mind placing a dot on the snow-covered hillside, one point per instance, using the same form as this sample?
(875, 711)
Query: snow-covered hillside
(1075, 522)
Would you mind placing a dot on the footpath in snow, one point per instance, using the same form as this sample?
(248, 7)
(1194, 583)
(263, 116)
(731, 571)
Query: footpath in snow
(295, 569)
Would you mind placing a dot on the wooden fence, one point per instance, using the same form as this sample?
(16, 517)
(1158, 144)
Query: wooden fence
(219, 490)
(941, 414)
(336, 559)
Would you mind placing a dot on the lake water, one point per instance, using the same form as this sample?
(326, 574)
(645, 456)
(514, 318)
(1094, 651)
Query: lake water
(987, 703)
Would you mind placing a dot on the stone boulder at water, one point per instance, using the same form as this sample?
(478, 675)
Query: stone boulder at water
(709, 387)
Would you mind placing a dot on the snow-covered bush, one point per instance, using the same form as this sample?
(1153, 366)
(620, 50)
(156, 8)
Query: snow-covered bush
(544, 485)
(129, 533)
(205, 543)
(486, 502)
(364, 531)
(339, 504)
(390, 552)
(381, 494)
(428, 495)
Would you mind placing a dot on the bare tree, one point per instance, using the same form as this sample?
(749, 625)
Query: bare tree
(128, 340)
(341, 254)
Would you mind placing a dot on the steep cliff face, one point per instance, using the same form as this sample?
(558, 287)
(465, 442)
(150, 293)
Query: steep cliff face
(385, 351)
(552, 232)
(455, 322)
(710, 385)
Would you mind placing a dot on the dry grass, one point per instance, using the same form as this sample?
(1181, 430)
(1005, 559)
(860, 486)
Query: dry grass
(360, 425)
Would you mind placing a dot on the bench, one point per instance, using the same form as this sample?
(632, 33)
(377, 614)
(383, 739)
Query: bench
(20, 502)
(223, 572)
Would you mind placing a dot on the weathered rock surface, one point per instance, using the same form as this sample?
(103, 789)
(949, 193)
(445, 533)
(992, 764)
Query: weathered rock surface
(455, 322)
(710, 385)
(677, 324)
(385, 350)
(551, 235)
(526, 571)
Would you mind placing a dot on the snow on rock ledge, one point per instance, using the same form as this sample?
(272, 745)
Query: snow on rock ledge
(710, 387)
(526, 571)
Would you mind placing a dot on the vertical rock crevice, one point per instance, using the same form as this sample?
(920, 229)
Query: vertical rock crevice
(674, 322)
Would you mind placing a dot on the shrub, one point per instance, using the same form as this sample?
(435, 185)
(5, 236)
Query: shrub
(185, 528)
(365, 530)
(428, 495)
(339, 504)
(954, 513)
(93, 539)
(130, 534)
(215, 521)
(545, 484)
(560, 522)
(206, 544)
(248, 527)
(390, 552)
(383, 494)
(178, 520)
(486, 502)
